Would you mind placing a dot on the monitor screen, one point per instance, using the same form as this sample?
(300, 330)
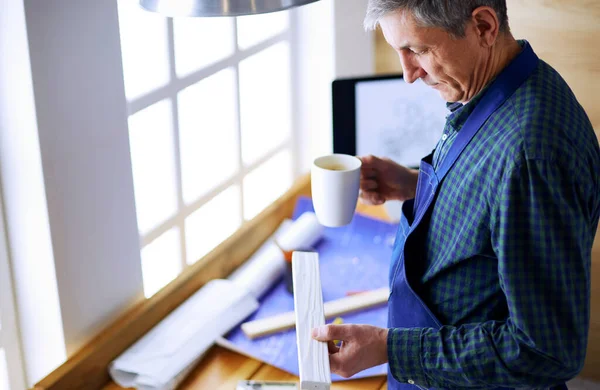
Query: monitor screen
(387, 117)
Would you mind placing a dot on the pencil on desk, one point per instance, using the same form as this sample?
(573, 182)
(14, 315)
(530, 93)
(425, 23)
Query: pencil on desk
(337, 321)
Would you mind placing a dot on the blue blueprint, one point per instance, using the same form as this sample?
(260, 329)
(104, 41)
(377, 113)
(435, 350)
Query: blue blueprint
(352, 258)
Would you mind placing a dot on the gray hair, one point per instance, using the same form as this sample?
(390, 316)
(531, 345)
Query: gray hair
(449, 15)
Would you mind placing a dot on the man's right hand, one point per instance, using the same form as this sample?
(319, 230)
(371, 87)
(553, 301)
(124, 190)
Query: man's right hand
(381, 179)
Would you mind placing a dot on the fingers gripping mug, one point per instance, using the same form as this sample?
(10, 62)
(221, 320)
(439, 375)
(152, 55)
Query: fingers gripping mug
(335, 182)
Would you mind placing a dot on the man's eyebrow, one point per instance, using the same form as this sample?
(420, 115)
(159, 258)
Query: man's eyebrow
(408, 45)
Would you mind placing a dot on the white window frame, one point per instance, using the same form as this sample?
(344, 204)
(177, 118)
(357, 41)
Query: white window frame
(9, 334)
(51, 128)
(170, 91)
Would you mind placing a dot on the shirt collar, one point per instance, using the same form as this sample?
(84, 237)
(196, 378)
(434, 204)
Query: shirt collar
(459, 113)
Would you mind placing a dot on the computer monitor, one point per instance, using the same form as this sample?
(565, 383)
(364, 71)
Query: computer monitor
(386, 117)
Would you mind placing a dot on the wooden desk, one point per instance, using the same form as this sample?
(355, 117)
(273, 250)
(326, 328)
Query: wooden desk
(221, 369)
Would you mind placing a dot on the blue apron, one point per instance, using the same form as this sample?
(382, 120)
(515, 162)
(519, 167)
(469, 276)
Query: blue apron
(406, 309)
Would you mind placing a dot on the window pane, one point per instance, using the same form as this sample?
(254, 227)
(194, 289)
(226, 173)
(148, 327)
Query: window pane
(144, 49)
(4, 384)
(267, 183)
(153, 162)
(201, 41)
(254, 29)
(212, 223)
(208, 134)
(265, 101)
(161, 261)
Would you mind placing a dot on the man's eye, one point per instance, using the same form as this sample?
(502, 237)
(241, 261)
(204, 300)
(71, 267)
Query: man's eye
(416, 52)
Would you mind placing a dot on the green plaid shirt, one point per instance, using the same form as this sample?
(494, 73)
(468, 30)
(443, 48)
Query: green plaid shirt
(508, 251)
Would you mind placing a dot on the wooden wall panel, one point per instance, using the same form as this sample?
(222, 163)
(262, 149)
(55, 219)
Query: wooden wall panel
(386, 59)
(566, 34)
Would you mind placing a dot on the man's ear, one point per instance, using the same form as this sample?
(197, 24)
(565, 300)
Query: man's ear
(486, 24)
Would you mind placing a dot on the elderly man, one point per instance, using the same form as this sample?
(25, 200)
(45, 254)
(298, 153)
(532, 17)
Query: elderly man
(490, 275)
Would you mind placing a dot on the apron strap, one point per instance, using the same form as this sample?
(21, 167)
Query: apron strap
(499, 91)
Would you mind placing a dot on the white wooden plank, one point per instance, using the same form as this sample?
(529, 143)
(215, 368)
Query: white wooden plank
(280, 322)
(313, 357)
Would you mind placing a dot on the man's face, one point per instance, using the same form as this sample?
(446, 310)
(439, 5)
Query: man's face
(449, 65)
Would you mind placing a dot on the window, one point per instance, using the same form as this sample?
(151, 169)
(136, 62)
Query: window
(11, 370)
(210, 128)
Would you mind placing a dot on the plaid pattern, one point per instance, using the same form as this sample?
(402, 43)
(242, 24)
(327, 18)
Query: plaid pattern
(506, 260)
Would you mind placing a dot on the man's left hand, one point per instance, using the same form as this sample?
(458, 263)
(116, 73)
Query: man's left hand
(363, 346)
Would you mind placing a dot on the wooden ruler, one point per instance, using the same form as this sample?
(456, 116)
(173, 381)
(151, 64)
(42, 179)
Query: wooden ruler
(269, 325)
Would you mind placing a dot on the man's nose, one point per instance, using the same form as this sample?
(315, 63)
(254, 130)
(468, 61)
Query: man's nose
(411, 69)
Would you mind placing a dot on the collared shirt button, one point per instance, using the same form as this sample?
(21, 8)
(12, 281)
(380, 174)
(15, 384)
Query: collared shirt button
(411, 382)
(444, 137)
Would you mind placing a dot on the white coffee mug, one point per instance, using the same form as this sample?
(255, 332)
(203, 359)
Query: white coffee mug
(335, 182)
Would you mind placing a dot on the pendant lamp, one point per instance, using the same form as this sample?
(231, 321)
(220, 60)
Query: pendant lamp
(210, 8)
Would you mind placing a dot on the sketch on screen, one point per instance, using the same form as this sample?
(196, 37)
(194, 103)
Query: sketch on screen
(398, 120)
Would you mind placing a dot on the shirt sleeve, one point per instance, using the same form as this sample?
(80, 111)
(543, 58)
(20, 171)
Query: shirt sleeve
(542, 231)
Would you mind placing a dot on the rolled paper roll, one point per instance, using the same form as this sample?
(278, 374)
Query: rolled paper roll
(267, 265)
(162, 356)
(305, 232)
